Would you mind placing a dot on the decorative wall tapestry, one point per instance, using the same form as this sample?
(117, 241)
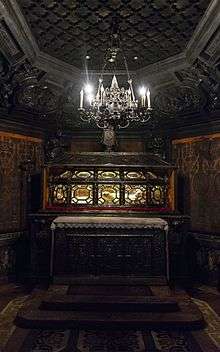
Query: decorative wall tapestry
(19, 155)
(198, 162)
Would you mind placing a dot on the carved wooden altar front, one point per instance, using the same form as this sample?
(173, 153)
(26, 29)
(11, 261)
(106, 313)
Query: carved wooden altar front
(100, 246)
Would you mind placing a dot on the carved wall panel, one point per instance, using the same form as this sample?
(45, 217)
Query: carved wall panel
(198, 162)
(205, 257)
(20, 156)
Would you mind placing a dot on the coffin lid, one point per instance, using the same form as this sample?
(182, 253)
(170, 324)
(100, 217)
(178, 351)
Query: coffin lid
(111, 159)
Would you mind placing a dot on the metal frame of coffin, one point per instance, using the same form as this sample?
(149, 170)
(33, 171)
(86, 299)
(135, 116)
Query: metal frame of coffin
(113, 181)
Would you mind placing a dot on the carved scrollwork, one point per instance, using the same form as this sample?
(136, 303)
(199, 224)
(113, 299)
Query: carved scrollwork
(179, 100)
(31, 92)
(22, 86)
(158, 145)
(204, 77)
(36, 97)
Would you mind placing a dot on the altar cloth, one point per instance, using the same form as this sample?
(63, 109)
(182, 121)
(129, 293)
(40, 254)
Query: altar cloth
(108, 222)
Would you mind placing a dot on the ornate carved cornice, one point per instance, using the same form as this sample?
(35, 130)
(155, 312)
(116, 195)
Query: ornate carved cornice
(19, 28)
(168, 65)
(205, 29)
(56, 67)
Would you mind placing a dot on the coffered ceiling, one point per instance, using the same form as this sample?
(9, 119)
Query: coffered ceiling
(151, 30)
(172, 46)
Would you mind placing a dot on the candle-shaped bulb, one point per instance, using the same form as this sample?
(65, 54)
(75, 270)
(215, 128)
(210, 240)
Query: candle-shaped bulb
(103, 97)
(143, 96)
(90, 98)
(129, 97)
(148, 99)
(102, 92)
(81, 99)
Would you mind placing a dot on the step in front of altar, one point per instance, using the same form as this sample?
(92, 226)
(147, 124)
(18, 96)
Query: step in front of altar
(99, 303)
(33, 316)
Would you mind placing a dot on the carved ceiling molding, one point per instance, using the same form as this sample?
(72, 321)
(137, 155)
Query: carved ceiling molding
(19, 28)
(208, 25)
(9, 47)
(63, 71)
(14, 18)
(211, 53)
(60, 69)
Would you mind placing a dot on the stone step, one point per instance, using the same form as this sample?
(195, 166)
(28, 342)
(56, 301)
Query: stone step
(98, 303)
(109, 280)
(188, 317)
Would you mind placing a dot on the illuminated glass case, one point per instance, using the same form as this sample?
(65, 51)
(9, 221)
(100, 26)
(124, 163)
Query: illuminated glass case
(135, 181)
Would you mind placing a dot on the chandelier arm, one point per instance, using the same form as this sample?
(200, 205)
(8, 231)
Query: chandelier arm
(125, 125)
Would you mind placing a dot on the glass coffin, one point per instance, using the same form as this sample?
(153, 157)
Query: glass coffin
(112, 180)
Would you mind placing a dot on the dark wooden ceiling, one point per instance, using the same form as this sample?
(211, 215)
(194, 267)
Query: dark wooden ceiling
(152, 30)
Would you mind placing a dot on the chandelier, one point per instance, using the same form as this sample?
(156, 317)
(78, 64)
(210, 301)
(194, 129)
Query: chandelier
(114, 106)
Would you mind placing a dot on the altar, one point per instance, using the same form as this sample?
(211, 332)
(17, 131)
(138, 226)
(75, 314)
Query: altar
(107, 214)
(109, 246)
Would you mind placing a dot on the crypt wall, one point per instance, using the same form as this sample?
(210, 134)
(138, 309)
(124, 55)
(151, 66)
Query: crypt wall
(198, 162)
(20, 155)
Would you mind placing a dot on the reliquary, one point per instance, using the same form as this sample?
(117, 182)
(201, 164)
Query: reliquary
(113, 181)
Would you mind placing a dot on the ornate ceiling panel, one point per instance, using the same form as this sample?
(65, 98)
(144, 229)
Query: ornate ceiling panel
(151, 30)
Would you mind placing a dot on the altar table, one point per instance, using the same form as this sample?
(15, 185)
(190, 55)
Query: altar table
(109, 246)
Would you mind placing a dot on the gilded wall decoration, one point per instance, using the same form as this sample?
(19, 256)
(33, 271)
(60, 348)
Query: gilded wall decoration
(198, 162)
(19, 155)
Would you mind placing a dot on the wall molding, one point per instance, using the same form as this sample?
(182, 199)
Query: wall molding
(20, 136)
(210, 136)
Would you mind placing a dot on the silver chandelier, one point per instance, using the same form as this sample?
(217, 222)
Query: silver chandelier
(114, 106)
